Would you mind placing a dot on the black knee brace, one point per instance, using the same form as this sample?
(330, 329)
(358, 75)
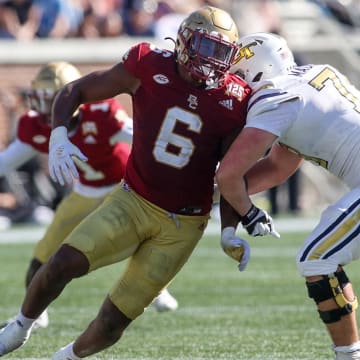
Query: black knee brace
(330, 287)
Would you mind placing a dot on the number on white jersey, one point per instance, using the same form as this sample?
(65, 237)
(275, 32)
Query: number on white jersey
(344, 89)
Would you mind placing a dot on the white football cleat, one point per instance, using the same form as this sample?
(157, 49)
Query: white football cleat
(65, 353)
(59, 355)
(12, 336)
(42, 321)
(165, 302)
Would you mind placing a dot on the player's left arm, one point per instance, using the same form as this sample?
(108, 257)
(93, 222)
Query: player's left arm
(99, 85)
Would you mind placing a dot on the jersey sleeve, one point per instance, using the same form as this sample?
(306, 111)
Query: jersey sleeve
(134, 58)
(15, 155)
(267, 97)
(123, 122)
(276, 119)
(25, 129)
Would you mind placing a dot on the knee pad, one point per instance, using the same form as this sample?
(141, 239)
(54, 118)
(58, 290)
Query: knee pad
(330, 287)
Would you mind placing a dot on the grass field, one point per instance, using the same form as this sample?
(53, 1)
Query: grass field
(262, 313)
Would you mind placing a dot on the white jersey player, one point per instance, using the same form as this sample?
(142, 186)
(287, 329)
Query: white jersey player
(308, 112)
(321, 123)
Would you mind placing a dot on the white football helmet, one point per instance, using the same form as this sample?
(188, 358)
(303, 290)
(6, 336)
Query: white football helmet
(206, 43)
(262, 56)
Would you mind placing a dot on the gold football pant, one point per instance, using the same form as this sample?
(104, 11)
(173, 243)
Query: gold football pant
(69, 213)
(157, 242)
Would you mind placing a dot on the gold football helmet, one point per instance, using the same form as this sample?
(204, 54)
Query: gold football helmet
(206, 43)
(49, 80)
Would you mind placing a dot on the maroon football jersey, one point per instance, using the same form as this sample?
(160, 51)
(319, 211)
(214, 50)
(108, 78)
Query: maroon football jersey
(178, 130)
(99, 122)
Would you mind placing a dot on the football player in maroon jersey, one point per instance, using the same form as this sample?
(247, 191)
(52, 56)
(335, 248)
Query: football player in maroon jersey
(103, 130)
(185, 103)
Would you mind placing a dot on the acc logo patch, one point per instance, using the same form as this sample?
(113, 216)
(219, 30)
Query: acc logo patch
(39, 139)
(161, 79)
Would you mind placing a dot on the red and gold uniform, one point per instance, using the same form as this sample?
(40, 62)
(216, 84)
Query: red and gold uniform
(97, 134)
(159, 212)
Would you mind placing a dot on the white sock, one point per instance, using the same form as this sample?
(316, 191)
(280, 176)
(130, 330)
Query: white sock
(25, 322)
(68, 352)
(348, 349)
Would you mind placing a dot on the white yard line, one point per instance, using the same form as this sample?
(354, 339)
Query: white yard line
(32, 234)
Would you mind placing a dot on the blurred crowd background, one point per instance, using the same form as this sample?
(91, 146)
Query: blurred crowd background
(28, 195)
(29, 19)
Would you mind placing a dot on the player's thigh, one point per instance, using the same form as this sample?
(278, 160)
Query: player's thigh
(156, 262)
(70, 212)
(335, 240)
(109, 234)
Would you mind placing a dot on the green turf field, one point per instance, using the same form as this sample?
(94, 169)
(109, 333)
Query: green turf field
(262, 313)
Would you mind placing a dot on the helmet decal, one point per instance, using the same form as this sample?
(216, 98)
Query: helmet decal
(262, 56)
(206, 43)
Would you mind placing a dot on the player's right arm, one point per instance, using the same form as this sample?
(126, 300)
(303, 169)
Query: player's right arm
(15, 155)
(98, 85)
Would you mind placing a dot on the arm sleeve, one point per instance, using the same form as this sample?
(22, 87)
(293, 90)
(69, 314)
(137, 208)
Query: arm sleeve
(15, 155)
(125, 134)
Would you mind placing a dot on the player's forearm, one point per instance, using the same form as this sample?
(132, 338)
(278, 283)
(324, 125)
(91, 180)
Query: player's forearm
(229, 217)
(65, 104)
(233, 189)
(261, 178)
(15, 155)
(272, 170)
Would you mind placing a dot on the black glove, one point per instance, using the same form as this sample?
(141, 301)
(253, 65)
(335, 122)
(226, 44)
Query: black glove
(258, 222)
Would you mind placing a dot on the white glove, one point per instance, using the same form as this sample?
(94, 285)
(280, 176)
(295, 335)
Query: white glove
(258, 222)
(61, 165)
(236, 248)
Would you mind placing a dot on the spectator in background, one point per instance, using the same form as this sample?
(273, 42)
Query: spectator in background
(15, 22)
(139, 17)
(101, 19)
(170, 13)
(257, 16)
(345, 12)
(56, 18)
(29, 19)
(169, 16)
